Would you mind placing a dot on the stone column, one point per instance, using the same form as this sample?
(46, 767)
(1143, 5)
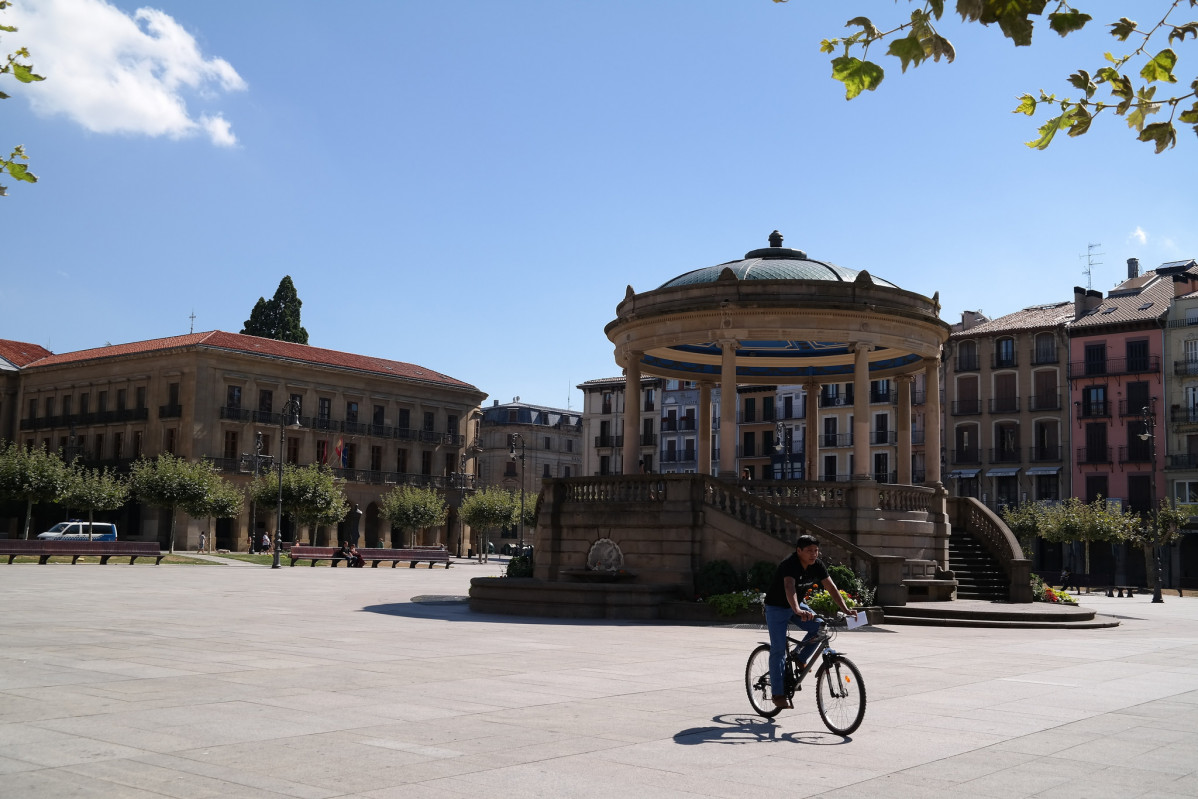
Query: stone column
(632, 413)
(704, 428)
(861, 465)
(903, 428)
(728, 409)
(931, 421)
(811, 440)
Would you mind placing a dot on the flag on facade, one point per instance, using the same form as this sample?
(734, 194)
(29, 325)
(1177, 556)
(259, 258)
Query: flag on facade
(340, 452)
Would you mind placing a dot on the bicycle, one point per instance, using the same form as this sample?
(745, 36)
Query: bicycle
(839, 689)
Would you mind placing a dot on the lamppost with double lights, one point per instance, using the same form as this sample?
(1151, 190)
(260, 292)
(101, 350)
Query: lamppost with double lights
(289, 416)
(1149, 435)
(255, 462)
(783, 448)
(511, 442)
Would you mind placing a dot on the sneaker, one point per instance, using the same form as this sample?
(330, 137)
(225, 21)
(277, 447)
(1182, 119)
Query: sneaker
(781, 702)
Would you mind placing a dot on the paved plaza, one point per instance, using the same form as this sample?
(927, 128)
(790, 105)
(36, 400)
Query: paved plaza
(242, 681)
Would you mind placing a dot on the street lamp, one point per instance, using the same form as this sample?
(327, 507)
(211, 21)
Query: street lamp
(289, 416)
(511, 442)
(1149, 435)
(783, 449)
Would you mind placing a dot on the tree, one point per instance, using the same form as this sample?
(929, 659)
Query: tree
(14, 165)
(1075, 521)
(311, 495)
(1158, 530)
(487, 509)
(31, 475)
(410, 508)
(916, 40)
(173, 484)
(223, 500)
(278, 317)
(94, 490)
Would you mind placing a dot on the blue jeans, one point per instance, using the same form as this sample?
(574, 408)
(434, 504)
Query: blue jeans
(777, 621)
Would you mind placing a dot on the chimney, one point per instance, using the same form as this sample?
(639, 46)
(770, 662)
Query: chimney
(971, 319)
(1181, 284)
(1084, 301)
(1133, 268)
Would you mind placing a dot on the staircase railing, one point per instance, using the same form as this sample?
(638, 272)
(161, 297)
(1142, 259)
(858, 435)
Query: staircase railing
(970, 516)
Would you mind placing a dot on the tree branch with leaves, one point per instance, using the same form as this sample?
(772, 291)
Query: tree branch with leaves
(917, 39)
(15, 65)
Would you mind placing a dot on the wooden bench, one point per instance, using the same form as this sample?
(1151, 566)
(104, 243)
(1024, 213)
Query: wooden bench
(373, 556)
(44, 550)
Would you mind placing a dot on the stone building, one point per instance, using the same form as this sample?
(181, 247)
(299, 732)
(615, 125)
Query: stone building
(551, 439)
(377, 423)
(609, 444)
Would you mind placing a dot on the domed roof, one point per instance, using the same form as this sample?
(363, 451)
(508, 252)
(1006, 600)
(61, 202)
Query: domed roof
(773, 263)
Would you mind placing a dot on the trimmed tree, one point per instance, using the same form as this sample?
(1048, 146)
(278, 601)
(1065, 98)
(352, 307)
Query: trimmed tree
(488, 509)
(173, 484)
(1075, 521)
(278, 317)
(410, 508)
(95, 490)
(223, 500)
(311, 495)
(32, 476)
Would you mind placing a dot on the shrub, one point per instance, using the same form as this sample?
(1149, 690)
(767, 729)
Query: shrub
(733, 603)
(519, 566)
(845, 579)
(761, 574)
(822, 603)
(717, 577)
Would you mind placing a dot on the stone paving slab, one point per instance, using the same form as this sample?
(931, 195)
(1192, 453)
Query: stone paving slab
(178, 681)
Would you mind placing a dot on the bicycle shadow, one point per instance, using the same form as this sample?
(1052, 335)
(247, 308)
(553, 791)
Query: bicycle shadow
(737, 730)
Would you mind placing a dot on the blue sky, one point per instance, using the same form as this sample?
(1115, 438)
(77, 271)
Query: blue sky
(470, 186)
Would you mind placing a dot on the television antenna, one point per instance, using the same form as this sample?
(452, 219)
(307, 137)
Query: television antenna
(1090, 263)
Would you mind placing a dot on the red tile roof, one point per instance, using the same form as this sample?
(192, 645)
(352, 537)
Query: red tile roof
(1135, 300)
(21, 353)
(1033, 318)
(253, 345)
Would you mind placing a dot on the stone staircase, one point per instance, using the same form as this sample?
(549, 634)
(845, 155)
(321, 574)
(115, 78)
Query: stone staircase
(979, 575)
(998, 615)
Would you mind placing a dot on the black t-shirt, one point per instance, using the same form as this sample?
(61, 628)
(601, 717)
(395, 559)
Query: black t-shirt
(791, 567)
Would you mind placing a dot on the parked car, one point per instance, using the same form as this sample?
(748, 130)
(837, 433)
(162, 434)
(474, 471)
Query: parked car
(78, 531)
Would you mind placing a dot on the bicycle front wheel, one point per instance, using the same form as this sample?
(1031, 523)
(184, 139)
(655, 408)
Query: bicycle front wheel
(840, 695)
(757, 682)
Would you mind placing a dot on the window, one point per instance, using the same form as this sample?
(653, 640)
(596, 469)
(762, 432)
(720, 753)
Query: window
(750, 414)
(377, 418)
(429, 423)
(298, 401)
(351, 412)
(749, 450)
(548, 442)
(1186, 491)
(140, 394)
(1095, 355)
(1094, 401)
(569, 445)
(376, 459)
(99, 447)
(881, 467)
(102, 401)
(49, 406)
(66, 405)
(324, 408)
(967, 356)
(1004, 353)
(829, 468)
(604, 464)
(322, 452)
(293, 445)
(172, 435)
(85, 401)
(230, 444)
(565, 471)
(545, 471)
(767, 409)
(137, 448)
(1138, 397)
(172, 397)
(451, 424)
(33, 408)
(405, 419)
(449, 463)
(401, 461)
(266, 399)
(426, 462)
(1046, 348)
(1137, 356)
(1096, 450)
(349, 456)
(118, 440)
(232, 398)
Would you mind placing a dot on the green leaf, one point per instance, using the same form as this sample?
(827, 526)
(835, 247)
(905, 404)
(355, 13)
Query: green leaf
(1162, 133)
(1049, 129)
(867, 27)
(1081, 79)
(1079, 121)
(1066, 22)
(24, 73)
(828, 45)
(1027, 105)
(908, 49)
(20, 172)
(8, 28)
(1179, 32)
(942, 48)
(856, 75)
(1160, 67)
(1190, 117)
(1122, 29)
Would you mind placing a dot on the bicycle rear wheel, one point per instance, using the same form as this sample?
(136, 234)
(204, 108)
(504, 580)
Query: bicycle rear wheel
(757, 682)
(840, 695)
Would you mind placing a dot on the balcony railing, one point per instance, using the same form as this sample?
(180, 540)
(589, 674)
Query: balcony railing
(967, 407)
(79, 419)
(888, 397)
(609, 441)
(1044, 402)
(1042, 356)
(970, 455)
(1004, 404)
(1186, 461)
(1145, 364)
(1006, 360)
(1132, 407)
(917, 436)
(170, 411)
(834, 400)
(829, 440)
(1135, 454)
(236, 414)
(648, 439)
(685, 424)
(1006, 454)
(1093, 454)
(1185, 368)
(1094, 410)
(883, 437)
(1183, 415)
(1047, 452)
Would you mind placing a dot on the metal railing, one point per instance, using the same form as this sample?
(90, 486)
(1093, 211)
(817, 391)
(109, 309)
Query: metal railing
(1144, 364)
(1006, 454)
(1094, 410)
(1044, 402)
(1140, 453)
(1093, 454)
(968, 407)
(1004, 404)
(971, 455)
(1046, 453)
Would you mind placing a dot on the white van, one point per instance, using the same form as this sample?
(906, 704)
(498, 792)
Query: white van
(78, 531)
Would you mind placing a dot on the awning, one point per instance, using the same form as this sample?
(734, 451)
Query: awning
(1004, 472)
(963, 473)
(1044, 470)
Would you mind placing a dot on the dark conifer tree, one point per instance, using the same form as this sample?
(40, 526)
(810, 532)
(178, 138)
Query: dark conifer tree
(278, 317)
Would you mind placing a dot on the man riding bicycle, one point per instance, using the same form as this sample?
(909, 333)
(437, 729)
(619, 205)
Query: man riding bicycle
(801, 569)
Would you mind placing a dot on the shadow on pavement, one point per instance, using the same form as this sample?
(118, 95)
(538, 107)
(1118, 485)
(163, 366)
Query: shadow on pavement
(734, 729)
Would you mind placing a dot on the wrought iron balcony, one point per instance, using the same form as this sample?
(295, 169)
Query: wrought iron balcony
(1004, 404)
(967, 407)
(1045, 355)
(1044, 402)
(1093, 454)
(1094, 410)
(967, 456)
(1006, 454)
(1144, 364)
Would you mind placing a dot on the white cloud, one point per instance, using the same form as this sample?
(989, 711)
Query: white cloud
(1138, 235)
(113, 73)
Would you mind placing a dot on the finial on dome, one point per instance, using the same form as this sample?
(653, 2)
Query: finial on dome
(775, 239)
